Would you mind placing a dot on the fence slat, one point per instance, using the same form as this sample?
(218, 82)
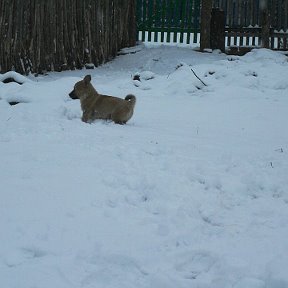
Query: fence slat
(196, 18)
(188, 23)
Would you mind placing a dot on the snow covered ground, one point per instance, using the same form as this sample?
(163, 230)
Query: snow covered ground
(192, 192)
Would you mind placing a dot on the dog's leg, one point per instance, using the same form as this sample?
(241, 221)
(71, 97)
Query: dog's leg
(84, 118)
(87, 116)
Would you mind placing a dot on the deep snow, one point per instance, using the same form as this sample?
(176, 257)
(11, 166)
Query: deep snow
(192, 192)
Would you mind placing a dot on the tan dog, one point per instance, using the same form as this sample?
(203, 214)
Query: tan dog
(97, 106)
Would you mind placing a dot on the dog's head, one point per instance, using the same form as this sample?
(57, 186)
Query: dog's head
(80, 88)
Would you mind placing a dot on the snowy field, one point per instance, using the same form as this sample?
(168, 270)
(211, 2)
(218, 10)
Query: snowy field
(191, 193)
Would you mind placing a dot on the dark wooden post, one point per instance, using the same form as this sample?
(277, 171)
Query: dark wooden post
(217, 30)
(265, 23)
(265, 32)
(206, 8)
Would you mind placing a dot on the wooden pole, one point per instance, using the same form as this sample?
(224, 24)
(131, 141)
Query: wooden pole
(206, 8)
(217, 32)
(265, 32)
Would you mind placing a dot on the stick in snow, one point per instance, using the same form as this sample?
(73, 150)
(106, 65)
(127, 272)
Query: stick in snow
(180, 65)
(198, 77)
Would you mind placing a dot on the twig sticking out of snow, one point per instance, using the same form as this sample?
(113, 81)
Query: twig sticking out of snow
(280, 150)
(180, 65)
(271, 164)
(198, 77)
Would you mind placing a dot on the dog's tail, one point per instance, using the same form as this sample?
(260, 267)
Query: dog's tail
(131, 98)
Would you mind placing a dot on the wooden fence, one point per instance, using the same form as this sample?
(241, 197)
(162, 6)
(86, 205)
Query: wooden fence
(245, 37)
(244, 22)
(178, 21)
(55, 35)
(168, 20)
(247, 13)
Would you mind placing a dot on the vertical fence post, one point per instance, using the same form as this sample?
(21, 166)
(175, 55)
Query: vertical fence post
(265, 33)
(217, 30)
(206, 7)
(265, 23)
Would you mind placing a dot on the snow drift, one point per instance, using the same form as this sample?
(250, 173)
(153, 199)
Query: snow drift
(192, 192)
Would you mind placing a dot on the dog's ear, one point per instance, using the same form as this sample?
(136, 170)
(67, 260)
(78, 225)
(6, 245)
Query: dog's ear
(87, 79)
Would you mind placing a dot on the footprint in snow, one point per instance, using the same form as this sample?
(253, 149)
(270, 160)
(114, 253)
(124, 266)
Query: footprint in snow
(22, 255)
(190, 266)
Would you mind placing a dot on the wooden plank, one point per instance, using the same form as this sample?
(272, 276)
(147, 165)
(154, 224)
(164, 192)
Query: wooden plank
(175, 18)
(157, 17)
(144, 20)
(168, 19)
(139, 16)
(285, 24)
(187, 20)
(150, 18)
(205, 24)
(285, 44)
(229, 9)
(183, 18)
(196, 19)
(163, 19)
